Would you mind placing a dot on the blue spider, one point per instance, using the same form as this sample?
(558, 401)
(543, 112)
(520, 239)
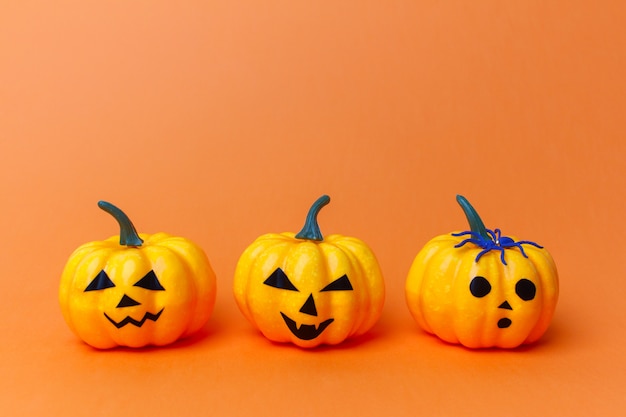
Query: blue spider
(496, 242)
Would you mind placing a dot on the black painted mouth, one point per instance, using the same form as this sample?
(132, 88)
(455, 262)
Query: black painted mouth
(306, 331)
(504, 323)
(130, 320)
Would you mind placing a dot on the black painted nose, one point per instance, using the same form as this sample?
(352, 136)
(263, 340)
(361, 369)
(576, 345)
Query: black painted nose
(126, 301)
(309, 307)
(505, 305)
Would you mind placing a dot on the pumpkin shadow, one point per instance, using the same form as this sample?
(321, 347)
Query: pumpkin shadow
(353, 343)
(561, 333)
(552, 339)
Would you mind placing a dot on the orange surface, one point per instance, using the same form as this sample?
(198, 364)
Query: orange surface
(223, 120)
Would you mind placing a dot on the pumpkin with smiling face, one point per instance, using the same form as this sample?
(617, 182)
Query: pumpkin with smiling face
(136, 289)
(309, 289)
(481, 289)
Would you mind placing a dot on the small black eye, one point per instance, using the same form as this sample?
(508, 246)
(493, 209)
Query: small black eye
(525, 289)
(100, 282)
(479, 287)
(279, 279)
(150, 282)
(340, 284)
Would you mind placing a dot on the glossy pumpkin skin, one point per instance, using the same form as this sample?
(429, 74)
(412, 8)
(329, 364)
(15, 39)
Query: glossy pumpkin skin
(112, 294)
(307, 291)
(484, 303)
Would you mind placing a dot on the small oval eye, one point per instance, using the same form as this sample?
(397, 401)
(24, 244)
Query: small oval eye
(479, 287)
(525, 289)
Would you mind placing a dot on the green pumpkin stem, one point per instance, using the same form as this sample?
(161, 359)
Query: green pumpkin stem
(311, 229)
(474, 220)
(128, 234)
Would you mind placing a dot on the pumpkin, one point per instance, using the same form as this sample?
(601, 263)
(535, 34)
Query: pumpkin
(309, 289)
(136, 289)
(481, 289)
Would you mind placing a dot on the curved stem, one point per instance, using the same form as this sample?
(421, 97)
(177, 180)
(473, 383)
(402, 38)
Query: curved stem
(311, 229)
(128, 234)
(474, 220)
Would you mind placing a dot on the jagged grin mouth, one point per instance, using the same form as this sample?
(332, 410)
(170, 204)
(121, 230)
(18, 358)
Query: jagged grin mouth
(306, 331)
(130, 320)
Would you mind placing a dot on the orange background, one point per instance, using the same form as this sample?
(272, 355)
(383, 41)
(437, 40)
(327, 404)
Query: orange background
(223, 120)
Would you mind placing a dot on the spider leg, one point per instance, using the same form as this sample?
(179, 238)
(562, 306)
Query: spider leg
(521, 249)
(501, 249)
(528, 242)
(484, 251)
(470, 240)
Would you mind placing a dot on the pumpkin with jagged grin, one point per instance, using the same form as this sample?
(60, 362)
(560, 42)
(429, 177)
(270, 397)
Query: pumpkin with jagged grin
(309, 289)
(136, 289)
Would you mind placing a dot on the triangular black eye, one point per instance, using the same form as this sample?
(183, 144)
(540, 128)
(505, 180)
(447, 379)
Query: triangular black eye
(279, 279)
(100, 282)
(150, 282)
(340, 284)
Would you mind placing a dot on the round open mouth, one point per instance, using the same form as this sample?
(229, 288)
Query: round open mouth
(504, 323)
(130, 320)
(306, 331)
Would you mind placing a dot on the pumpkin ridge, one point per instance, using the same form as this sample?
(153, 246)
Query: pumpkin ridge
(101, 255)
(199, 274)
(369, 303)
(278, 250)
(184, 322)
(448, 269)
(550, 293)
(325, 248)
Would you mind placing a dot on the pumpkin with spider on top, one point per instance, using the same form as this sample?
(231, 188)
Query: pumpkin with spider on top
(480, 289)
